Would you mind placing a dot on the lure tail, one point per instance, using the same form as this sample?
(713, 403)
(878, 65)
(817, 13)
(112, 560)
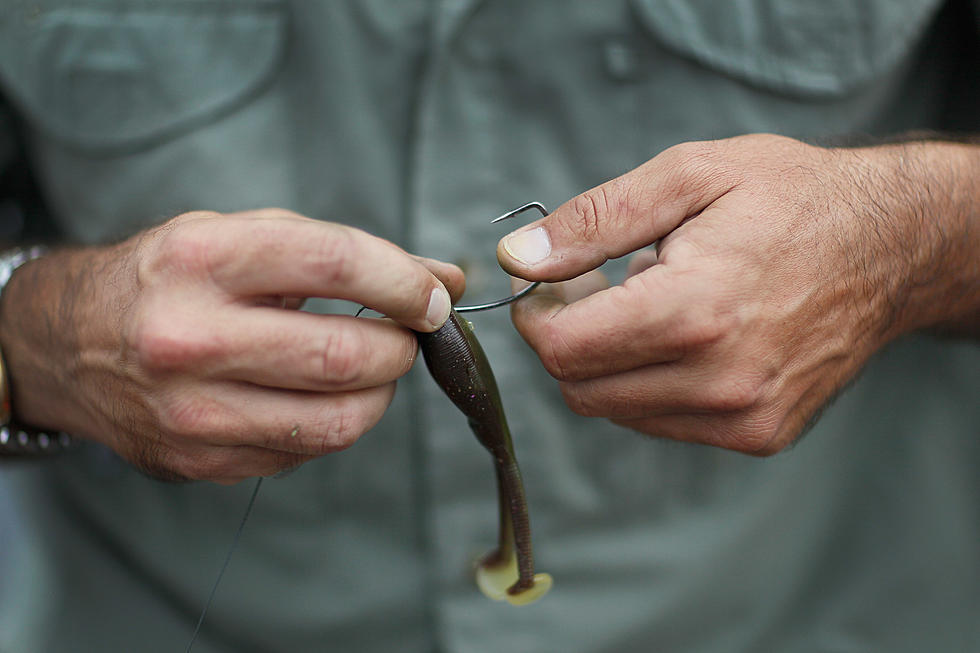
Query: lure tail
(507, 573)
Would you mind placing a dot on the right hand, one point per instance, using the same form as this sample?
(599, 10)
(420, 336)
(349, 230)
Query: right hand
(180, 348)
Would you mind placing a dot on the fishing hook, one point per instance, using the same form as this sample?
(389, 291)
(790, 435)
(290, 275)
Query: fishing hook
(531, 286)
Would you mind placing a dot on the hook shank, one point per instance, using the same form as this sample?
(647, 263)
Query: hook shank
(507, 300)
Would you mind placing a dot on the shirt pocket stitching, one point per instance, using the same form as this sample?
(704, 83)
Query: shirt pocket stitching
(113, 80)
(832, 66)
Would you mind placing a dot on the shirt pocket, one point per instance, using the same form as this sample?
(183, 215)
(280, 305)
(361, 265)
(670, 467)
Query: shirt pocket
(792, 47)
(114, 78)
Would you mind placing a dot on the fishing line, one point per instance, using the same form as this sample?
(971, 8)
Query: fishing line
(224, 566)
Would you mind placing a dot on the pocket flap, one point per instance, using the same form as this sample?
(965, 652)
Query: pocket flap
(120, 78)
(822, 48)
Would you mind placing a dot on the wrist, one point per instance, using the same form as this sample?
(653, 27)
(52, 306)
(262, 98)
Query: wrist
(918, 202)
(60, 325)
(16, 438)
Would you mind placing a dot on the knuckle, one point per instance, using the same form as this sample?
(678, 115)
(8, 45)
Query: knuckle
(281, 213)
(341, 358)
(556, 352)
(752, 440)
(191, 216)
(204, 466)
(588, 211)
(344, 421)
(699, 326)
(330, 258)
(602, 212)
(160, 345)
(695, 164)
(193, 418)
(734, 393)
(581, 401)
(284, 460)
(693, 154)
(181, 245)
(155, 460)
(341, 430)
(754, 432)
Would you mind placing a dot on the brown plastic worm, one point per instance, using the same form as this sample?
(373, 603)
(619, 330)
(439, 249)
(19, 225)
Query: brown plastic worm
(457, 363)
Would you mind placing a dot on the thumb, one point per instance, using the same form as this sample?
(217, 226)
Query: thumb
(620, 216)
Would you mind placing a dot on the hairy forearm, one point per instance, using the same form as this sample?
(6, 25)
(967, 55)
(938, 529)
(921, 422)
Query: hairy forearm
(44, 314)
(921, 200)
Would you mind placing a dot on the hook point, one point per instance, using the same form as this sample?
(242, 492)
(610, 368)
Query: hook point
(507, 300)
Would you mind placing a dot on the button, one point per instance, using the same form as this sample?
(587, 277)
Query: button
(622, 61)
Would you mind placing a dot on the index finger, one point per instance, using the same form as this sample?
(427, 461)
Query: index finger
(614, 330)
(294, 256)
(621, 215)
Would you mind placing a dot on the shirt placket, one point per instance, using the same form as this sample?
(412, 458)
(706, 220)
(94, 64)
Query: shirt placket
(453, 193)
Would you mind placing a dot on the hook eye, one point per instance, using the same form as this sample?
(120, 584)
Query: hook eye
(531, 286)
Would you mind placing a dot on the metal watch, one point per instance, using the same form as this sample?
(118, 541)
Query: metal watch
(18, 440)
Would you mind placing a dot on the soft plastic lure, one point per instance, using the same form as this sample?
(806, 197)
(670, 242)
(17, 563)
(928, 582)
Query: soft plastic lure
(457, 363)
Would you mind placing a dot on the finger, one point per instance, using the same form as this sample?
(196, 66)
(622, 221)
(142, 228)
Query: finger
(641, 322)
(202, 462)
(568, 291)
(708, 387)
(621, 215)
(308, 258)
(745, 434)
(700, 429)
(267, 213)
(307, 423)
(296, 350)
(231, 465)
(322, 353)
(450, 275)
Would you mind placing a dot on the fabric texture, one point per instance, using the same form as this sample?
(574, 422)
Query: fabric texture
(420, 121)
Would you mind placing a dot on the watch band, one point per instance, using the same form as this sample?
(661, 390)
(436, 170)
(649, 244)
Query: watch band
(21, 442)
(17, 440)
(12, 259)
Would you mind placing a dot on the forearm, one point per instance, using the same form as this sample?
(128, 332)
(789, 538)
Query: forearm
(922, 203)
(44, 311)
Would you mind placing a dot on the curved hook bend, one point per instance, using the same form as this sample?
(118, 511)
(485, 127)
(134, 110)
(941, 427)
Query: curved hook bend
(523, 291)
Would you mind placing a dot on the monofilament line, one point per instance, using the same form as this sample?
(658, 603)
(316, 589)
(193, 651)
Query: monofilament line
(224, 566)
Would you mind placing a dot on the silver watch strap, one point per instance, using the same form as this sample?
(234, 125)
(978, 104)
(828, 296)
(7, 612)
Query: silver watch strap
(12, 259)
(15, 440)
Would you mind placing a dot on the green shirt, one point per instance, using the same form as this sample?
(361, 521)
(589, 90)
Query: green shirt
(420, 121)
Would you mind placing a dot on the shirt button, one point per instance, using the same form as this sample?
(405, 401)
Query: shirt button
(622, 61)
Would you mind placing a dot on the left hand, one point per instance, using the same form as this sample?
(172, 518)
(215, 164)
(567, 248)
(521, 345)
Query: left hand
(780, 268)
(177, 349)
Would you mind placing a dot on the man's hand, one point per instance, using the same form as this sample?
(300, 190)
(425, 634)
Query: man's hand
(779, 269)
(182, 350)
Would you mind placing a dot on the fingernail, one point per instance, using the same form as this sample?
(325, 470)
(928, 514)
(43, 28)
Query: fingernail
(528, 247)
(438, 311)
